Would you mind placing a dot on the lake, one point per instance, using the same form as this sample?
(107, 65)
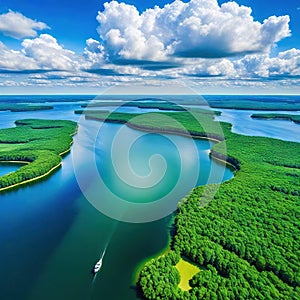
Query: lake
(51, 236)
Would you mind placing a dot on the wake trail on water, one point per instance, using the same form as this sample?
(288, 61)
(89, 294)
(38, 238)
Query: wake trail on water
(101, 256)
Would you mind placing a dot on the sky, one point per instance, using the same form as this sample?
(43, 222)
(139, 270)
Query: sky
(207, 46)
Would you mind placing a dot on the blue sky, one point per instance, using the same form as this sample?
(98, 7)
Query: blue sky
(211, 46)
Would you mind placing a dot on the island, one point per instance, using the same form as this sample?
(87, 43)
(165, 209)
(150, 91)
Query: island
(141, 103)
(244, 243)
(39, 144)
(15, 107)
(285, 117)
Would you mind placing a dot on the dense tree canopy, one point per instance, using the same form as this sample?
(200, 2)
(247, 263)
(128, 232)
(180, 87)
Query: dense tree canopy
(41, 143)
(23, 107)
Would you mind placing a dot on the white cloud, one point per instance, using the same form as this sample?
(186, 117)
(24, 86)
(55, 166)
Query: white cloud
(210, 68)
(199, 28)
(48, 54)
(94, 54)
(11, 60)
(285, 64)
(40, 54)
(16, 25)
(199, 42)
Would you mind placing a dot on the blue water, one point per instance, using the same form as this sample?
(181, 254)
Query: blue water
(6, 168)
(242, 123)
(51, 236)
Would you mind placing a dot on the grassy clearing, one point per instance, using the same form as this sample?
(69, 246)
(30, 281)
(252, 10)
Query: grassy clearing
(186, 271)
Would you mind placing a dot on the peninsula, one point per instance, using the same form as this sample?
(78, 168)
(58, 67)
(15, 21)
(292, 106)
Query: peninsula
(39, 144)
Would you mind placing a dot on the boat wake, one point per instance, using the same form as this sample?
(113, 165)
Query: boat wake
(96, 269)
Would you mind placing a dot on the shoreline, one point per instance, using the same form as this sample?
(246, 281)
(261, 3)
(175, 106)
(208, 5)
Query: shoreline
(32, 179)
(162, 252)
(168, 131)
(223, 161)
(154, 130)
(14, 162)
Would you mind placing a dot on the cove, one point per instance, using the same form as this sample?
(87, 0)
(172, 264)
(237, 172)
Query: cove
(8, 167)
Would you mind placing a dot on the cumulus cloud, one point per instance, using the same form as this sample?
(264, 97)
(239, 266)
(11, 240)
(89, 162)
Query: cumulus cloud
(11, 60)
(199, 28)
(43, 53)
(48, 54)
(210, 68)
(94, 54)
(285, 64)
(198, 41)
(16, 25)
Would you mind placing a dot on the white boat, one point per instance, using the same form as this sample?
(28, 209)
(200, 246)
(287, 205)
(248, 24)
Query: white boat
(98, 265)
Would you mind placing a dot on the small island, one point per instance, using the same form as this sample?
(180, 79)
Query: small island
(39, 144)
(285, 117)
(163, 105)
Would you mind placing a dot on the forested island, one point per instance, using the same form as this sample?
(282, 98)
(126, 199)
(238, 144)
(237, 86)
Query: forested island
(16, 107)
(285, 117)
(245, 241)
(39, 144)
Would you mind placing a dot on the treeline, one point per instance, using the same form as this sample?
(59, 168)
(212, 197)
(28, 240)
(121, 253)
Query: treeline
(162, 105)
(38, 142)
(246, 238)
(197, 123)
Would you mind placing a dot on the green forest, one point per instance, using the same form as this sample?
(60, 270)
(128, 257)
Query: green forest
(153, 122)
(165, 105)
(246, 239)
(40, 143)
